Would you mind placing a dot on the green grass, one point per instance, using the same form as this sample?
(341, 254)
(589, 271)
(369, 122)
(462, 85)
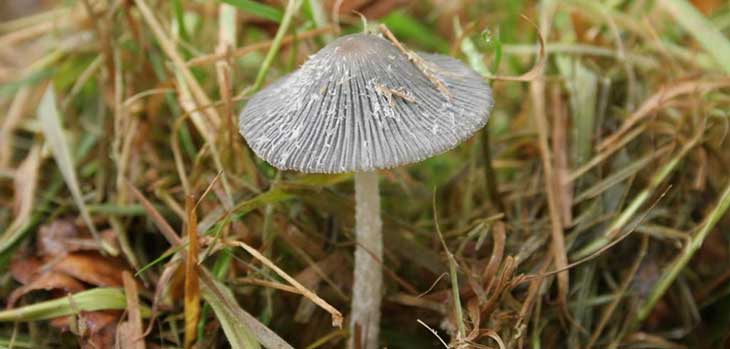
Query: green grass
(617, 148)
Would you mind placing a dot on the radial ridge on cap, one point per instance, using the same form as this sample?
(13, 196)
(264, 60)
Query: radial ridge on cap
(361, 104)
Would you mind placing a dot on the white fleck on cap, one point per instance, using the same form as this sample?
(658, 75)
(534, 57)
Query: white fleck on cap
(361, 104)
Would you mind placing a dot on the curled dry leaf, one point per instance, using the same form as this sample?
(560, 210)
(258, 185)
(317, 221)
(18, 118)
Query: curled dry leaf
(50, 281)
(68, 263)
(92, 268)
(68, 273)
(25, 268)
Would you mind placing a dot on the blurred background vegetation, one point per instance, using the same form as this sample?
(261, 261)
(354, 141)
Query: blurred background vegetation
(590, 213)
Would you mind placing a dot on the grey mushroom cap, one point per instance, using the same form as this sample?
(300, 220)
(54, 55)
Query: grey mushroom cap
(361, 104)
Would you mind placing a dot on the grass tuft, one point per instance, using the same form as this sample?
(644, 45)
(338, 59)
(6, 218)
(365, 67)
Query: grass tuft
(592, 212)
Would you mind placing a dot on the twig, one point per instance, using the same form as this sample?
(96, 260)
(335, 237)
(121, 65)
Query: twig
(434, 333)
(537, 92)
(659, 99)
(418, 62)
(336, 315)
(389, 92)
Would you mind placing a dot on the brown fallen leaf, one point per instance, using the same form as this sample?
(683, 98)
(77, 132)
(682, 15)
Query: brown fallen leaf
(68, 263)
(64, 235)
(91, 268)
(25, 268)
(50, 281)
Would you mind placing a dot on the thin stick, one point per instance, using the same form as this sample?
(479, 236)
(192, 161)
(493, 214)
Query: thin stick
(489, 173)
(270, 284)
(418, 62)
(537, 92)
(434, 333)
(656, 101)
(336, 315)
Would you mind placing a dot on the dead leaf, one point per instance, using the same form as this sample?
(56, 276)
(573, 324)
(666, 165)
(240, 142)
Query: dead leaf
(64, 235)
(66, 267)
(47, 282)
(25, 268)
(92, 268)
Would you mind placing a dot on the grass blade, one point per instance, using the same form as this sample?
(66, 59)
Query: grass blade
(257, 9)
(91, 300)
(712, 40)
(336, 315)
(406, 27)
(582, 85)
(695, 242)
(238, 325)
(639, 200)
(242, 330)
(51, 124)
(453, 276)
(292, 7)
(192, 287)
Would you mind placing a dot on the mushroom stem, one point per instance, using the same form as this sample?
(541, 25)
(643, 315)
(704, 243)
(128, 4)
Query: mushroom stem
(368, 274)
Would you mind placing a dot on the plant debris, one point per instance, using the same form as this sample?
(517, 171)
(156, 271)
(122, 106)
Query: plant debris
(591, 213)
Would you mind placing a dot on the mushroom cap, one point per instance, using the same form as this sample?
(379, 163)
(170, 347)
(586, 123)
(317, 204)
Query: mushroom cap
(361, 104)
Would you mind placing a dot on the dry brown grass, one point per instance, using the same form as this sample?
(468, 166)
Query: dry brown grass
(591, 213)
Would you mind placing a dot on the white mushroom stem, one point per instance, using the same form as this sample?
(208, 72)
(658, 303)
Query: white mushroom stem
(368, 274)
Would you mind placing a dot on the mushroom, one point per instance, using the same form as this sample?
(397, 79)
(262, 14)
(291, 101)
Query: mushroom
(360, 104)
